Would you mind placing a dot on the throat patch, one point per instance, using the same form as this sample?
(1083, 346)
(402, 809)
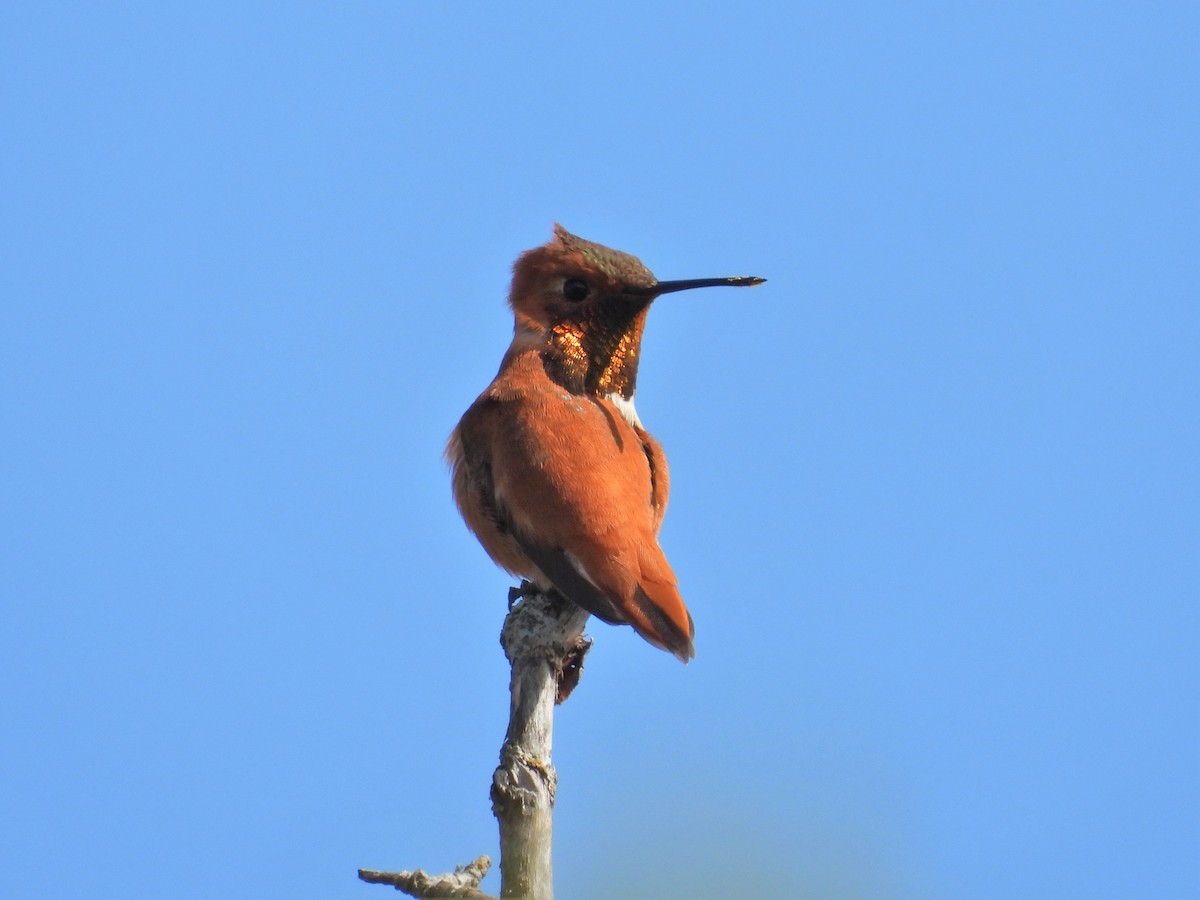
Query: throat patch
(597, 355)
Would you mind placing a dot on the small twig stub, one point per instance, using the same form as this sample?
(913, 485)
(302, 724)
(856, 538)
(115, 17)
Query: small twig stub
(462, 883)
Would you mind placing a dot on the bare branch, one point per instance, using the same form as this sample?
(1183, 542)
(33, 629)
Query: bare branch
(543, 639)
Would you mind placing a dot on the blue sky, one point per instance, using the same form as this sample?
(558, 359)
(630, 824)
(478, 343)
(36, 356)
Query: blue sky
(934, 486)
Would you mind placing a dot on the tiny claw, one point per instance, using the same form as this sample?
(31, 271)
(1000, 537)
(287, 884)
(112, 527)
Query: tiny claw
(526, 589)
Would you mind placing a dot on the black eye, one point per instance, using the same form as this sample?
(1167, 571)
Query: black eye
(575, 289)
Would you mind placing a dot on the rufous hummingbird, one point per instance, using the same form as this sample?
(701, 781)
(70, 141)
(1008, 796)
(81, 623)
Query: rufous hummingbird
(552, 468)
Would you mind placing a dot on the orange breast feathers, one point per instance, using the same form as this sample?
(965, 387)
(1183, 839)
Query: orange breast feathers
(563, 490)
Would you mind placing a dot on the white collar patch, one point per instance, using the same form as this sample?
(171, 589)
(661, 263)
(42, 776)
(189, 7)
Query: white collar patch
(626, 408)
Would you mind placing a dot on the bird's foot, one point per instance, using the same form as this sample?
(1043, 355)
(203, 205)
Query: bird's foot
(527, 589)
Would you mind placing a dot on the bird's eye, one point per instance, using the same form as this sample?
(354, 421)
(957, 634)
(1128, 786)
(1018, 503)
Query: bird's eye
(575, 289)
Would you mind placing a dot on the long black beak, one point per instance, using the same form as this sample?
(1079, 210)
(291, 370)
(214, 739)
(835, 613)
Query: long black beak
(668, 287)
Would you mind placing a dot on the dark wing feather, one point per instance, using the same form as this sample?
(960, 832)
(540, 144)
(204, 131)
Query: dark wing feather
(569, 582)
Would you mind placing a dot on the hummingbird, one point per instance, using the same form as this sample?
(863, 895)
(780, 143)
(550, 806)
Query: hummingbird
(551, 467)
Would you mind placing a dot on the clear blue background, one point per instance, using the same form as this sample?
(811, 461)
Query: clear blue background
(934, 486)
